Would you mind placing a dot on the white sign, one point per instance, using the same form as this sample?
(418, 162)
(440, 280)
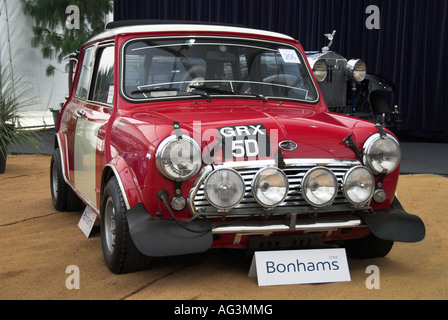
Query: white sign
(87, 221)
(289, 55)
(110, 95)
(300, 267)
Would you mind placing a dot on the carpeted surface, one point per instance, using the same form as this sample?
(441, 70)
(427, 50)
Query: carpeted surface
(424, 157)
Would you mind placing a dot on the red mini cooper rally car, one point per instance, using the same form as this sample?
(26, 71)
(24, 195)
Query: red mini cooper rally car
(186, 137)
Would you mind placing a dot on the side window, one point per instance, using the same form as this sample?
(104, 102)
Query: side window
(103, 82)
(86, 72)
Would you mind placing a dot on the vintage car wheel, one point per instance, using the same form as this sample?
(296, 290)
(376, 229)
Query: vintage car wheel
(119, 251)
(63, 197)
(368, 247)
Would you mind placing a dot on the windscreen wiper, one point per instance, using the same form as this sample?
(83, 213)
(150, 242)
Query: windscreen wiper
(157, 89)
(211, 89)
(163, 89)
(259, 96)
(223, 91)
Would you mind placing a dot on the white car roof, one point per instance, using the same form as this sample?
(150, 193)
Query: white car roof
(182, 27)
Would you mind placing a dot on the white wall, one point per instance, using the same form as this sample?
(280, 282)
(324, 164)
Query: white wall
(27, 62)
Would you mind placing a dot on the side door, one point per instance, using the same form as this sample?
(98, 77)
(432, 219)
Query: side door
(74, 108)
(91, 114)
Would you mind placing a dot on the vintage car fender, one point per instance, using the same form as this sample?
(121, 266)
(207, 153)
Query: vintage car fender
(60, 142)
(379, 83)
(152, 234)
(126, 180)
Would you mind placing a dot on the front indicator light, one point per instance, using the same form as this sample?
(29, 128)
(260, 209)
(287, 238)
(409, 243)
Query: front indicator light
(359, 186)
(379, 195)
(319, 187)
(178, 203)
(270, 187)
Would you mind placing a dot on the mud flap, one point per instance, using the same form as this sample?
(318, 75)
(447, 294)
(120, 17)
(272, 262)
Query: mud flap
(395, 224)
(156, 237)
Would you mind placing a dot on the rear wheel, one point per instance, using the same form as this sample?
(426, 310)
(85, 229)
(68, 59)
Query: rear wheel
(63, 197)
(119, 251)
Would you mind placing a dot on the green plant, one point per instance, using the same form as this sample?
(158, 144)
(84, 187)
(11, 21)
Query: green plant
(14, 95)
(52, 34)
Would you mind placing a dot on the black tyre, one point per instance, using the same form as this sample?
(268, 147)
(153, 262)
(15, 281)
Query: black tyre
(368, 247)
(63, 197)
(119, 251)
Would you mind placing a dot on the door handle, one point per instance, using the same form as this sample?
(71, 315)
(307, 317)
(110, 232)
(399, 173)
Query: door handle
(80, 113)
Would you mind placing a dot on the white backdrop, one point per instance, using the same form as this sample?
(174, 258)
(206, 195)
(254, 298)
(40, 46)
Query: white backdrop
(27, 62)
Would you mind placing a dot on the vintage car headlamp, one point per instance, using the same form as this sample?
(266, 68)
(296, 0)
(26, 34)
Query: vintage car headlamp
(382, 154)
(319, 187)
(319, 68)
(356, 70)
(359, 186)
(178, 160)
(224, 188)
(270, 187)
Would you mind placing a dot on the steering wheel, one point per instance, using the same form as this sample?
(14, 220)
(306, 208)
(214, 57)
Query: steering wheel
(193, 77)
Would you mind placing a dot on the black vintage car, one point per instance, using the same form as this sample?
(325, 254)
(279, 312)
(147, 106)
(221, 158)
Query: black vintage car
(348, 88)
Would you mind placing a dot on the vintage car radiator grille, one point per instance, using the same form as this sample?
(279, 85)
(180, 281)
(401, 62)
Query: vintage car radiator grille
(294, 202)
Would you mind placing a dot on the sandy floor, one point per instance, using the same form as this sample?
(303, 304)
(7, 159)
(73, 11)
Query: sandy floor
(37, 244)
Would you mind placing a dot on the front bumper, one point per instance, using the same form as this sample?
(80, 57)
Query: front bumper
(159, 237)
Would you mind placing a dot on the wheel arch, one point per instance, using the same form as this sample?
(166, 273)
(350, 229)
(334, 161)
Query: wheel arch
(60, 143)
(119, 169)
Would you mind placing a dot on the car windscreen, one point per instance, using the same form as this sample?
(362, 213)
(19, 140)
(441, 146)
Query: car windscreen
(169, 68)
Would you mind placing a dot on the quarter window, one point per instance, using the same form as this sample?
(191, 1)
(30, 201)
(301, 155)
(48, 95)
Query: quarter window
(103, 83)
(86, 72)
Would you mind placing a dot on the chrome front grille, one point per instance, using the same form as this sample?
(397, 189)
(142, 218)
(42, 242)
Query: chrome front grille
(295, 170)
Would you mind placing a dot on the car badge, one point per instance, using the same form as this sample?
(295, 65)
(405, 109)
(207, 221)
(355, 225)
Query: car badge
(288, 145)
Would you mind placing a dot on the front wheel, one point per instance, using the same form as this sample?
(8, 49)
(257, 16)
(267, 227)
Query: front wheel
(119, 251)
(368, 247)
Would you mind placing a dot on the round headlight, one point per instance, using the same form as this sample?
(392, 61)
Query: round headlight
(359, 186)
(224, 188)
(356, 70)
(319, 187)
(382, 154)
(178, 160)
(319, 68)
(270, 187)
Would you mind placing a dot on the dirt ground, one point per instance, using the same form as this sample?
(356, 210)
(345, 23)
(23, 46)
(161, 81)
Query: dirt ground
(37, 244)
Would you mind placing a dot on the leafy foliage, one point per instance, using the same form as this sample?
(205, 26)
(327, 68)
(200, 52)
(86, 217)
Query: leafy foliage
(51, 31)
(14, 95)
